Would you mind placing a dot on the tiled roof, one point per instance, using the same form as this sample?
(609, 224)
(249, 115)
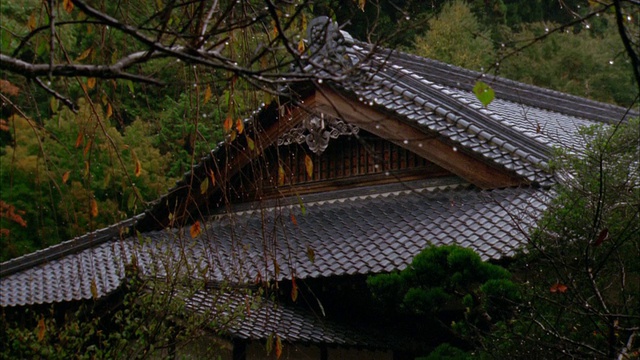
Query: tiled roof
(379, 230)
(261, 318)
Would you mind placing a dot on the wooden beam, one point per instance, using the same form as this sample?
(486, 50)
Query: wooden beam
(426, 144)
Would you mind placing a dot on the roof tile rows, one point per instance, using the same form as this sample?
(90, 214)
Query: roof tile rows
(364, 234)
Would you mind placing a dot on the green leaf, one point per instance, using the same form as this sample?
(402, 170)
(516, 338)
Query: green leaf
(130, 85)
(484, 93)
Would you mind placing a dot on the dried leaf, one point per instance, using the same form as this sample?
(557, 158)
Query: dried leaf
(294, 289)
(94, 289)
(94, 208)
(65, 177)
(212, 178)
(68, 6)
(361, 4)
(280, 176)
(308, 165)
(294, 220)
(239, 126)
(228, 123)
(604, 235)
(109, 111)
(278, 347)
(6, 87)
(31, 23)
(207, 94)
(138, 170)
(250, 143)
(4, 125)
(42, 329)
(87, 147)
(195, 230)
(558, 287)
(232, 136)
(301, 47)
(91, 83)
(84, 54)
(204, 186)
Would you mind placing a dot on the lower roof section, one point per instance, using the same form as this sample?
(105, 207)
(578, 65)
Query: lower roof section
(371, 230)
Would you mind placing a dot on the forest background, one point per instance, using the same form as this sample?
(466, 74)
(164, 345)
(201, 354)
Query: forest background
(67, 170)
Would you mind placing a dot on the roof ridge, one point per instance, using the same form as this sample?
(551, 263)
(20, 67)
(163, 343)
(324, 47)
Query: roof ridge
(65, 248)
(459, 77)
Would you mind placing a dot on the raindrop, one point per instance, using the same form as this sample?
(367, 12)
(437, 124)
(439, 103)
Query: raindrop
(377, 126)
(419, 144)
(376, 166)
(455, 148)
(610, 62)
(48, 83)
(587, 26)
(502, 45)
(546, 30)
(408, 17)
(406, 141)
(319, 81)
(629, 18)
(226, 43)
(386, 173)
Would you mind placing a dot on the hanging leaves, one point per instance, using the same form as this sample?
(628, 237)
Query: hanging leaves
(94, 208)
(558, 288)
(195, 230)
(31, 22)
(109, 111)
(41, 329)
(294, 289)
(204, 186)
(250, 143)
(294, 220)
(269, 344)
(91, 83)
(278, 347)
(484, 93)
(212, 178)
(138, 169)
(65, 177)
(84, 54)
(87, 147)
(68, 6)
(280, 175)
(94, 289)
(207, 94)
(239, 126)
(301, 47)
(308, 165)
(227, 124)
(604, 235)
(311, 254)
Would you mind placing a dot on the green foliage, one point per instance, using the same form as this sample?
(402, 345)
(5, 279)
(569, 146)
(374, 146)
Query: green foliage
(447, 277)
(456, 37)
(447, 352)
(74, 174)
(149, 321)
(581, 278)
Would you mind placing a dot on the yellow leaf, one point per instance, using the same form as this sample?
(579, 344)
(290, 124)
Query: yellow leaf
(68, 6)
(308, 165)
(300, 47)
(228, 123)
(195, 230)
(204, 185)
(239, 126)
(361, 4)
(84, 54)
(138, 169)
(94, 208)
(86, 168)
(65, 177)
(280, 176)
(42, 329)
(250, 143)
(94, 289)
(207, 94)
(91, 83)
(31, 23)
(109, 111)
